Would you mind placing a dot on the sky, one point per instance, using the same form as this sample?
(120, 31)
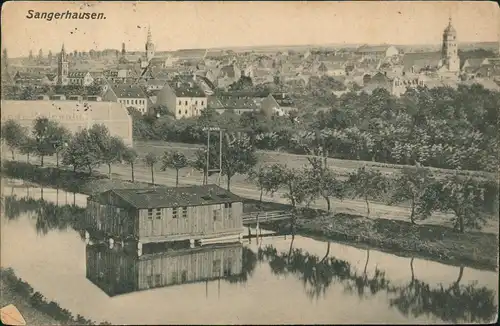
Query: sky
(181, 25)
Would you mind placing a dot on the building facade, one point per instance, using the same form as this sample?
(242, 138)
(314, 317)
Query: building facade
(183, 98)
(71, 115)
(166, 214)
(129, 96)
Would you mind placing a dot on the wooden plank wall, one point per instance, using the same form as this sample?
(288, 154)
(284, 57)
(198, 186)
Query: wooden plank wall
(165, 270)
(199, 220)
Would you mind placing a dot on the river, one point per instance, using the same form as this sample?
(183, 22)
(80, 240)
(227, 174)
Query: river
(276, 279)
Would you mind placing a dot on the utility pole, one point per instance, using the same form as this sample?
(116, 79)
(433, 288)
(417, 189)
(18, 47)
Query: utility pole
(205, 179)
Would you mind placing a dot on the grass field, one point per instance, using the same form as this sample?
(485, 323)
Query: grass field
(342, 167)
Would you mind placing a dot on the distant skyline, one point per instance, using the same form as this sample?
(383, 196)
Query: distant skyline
(187, 25)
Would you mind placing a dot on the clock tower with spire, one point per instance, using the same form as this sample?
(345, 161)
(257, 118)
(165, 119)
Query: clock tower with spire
(450, 59)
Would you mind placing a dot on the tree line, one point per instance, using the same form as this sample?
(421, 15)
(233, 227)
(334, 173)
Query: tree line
(470, 200)
(439, 127)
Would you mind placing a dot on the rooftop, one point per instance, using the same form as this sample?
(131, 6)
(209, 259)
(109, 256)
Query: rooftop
(128, 91)
(176, 197)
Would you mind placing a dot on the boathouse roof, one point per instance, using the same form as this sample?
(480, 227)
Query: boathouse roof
(164, 197)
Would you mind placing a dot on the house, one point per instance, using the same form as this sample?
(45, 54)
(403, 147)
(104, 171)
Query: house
(277, 105)
(28, 78)
(183, 97)
(118, 271)
(240, 101)
(332, 68)
(43, 97)
(166, 214)
(58, 97)
(377, 51)
(154, 84)
(415, 63)
(128, 95)
(83, 78)
(228, 75)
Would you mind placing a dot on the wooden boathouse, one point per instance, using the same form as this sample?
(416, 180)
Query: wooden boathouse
(116, 271)
(166, 214)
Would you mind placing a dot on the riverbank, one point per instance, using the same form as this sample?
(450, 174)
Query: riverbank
(440, 243)
(433, 242)
(34, 308)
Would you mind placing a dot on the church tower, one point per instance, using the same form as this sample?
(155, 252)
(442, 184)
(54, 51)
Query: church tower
(150, 47)
(450, 58)
(62, 68)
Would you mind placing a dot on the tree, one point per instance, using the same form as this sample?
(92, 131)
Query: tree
(13, 135)
(268, 179)
(82, 151)
(293, 180)
(464, 196)
(50, 137)
(174, 160)
(367, 184)
(238, 157)
(417, 186)
(324, 182)
(28, 147)
(113, 151)
(150, 160)
(130, 156)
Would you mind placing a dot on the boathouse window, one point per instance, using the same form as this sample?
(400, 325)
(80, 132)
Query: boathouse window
(228, 205)
(184, 277)
(150, 213)
(150, 280)
(158, 213)
(216, 267)
(228, 266)
(158, 280)
(184, 212)
(174, 277)
(174, 212)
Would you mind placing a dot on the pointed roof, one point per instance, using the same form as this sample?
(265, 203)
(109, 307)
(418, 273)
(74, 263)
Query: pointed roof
(450, 30)
(150, 38)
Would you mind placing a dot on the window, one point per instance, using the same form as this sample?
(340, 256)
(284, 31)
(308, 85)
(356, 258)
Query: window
(180, 112)
(186, 103)
(150, 213)
(228, 205)
(157, 279)
(150, 280)
(174, 212)
(184, 277)
(174, 277)
(158, 213)
(216, 266)
(186, 112)
(180, 102)
(184, 212)
(196, 102)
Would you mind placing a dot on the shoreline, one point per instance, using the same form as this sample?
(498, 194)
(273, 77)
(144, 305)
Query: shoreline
(433, 242)
(33, 306)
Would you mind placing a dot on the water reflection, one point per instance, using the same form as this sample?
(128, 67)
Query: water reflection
(330, 279)
(48, 215)
(457, 303)
(121, 270)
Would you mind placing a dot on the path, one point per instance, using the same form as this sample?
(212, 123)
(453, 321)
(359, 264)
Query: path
(244, 188)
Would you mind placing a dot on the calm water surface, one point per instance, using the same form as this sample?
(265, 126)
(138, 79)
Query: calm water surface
(280, 280)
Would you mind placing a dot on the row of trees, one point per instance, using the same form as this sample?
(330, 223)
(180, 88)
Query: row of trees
(440, 127)
(470, 200)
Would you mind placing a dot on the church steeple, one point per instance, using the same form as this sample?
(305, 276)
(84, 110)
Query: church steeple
(449, 52)
(62, 67)
(150, 47)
